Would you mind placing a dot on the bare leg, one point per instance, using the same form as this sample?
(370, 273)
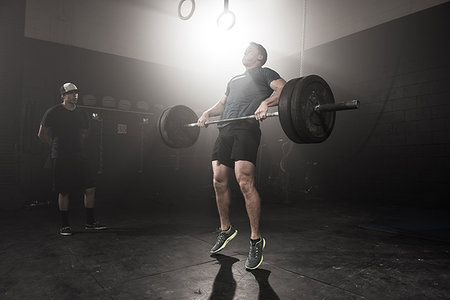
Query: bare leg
(245, 175)
(221, 178)
(89, 201)
(89, 197)
(63, 202)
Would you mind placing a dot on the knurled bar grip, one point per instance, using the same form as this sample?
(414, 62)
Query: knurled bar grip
(274, 114)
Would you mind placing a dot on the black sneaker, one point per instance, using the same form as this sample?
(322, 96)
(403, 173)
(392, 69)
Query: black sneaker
(255, 255)
(66, 230)
(223, 238)
(94, 226)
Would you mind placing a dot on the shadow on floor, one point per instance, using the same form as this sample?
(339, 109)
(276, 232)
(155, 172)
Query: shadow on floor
(224, 286)
(266, 291)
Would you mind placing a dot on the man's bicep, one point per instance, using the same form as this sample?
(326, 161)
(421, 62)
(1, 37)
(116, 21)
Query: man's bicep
(277, 84)
(48, 118)
(223, 100)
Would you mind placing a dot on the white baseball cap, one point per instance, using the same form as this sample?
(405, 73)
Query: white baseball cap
(68, 88)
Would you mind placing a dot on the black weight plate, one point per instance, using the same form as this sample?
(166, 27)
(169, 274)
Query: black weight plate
(312, 126)
(172, 130)
(284, 111)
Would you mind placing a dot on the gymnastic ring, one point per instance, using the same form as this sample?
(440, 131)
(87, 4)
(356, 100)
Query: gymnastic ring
(188, 16)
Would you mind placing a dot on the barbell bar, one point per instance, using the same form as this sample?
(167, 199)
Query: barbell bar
(306, 111)
(347, 105)
(221, 121)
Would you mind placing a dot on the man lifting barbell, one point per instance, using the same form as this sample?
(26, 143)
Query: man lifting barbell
(237, 145)
(306, 111)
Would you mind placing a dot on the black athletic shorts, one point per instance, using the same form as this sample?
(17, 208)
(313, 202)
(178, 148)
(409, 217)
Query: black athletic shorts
(72, 174)
(237, 142)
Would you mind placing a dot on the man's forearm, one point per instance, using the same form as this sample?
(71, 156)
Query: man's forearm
(273, 99)
(45, 135)
(46, 139)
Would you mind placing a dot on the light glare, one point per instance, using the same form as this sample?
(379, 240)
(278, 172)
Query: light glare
(226, 20)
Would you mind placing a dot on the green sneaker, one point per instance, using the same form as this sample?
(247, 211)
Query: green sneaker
(223, 238)
(255, 255)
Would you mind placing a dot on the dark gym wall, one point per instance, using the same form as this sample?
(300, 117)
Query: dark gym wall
(396, 147)
(125, 168)
(12, 16)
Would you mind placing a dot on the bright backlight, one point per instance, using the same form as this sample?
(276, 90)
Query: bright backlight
(226, 20)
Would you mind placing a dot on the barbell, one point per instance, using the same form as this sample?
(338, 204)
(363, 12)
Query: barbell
(306, 111)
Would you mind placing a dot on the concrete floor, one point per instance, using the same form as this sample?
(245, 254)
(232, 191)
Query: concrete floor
(315, 250)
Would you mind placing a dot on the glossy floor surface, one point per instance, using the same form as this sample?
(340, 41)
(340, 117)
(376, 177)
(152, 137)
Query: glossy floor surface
(158, 248)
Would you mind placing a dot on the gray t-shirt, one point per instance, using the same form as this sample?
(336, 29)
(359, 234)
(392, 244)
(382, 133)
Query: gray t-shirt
(245, 93)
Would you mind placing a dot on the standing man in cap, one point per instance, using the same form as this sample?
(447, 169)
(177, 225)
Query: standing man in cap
(64, 128)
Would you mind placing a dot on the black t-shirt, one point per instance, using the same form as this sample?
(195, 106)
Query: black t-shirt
(245, 93)
(67, 127)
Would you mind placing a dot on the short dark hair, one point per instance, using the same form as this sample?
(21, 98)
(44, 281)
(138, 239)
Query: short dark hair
(261, 50)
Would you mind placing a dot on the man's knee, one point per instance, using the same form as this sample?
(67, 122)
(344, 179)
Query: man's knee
(64, 194)
(246, 184)
(220, 184)
(89, 192)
